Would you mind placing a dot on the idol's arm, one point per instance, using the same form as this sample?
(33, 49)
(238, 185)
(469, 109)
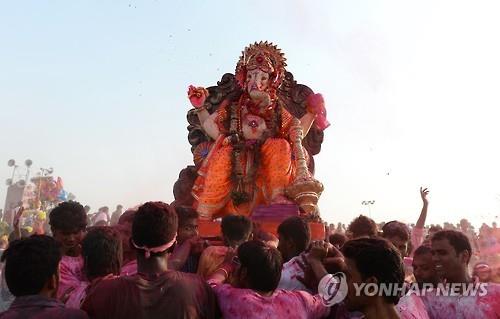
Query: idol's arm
(203, 115)
(306, 122)
(208, 123)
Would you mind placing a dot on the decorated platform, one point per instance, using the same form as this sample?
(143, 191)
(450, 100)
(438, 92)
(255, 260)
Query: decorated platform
(267, 219)
(211, 229)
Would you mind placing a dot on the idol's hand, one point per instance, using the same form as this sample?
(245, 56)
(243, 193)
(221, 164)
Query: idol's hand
(316, 105)
(197, 96)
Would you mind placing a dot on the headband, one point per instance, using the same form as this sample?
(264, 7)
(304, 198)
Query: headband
(149, 250)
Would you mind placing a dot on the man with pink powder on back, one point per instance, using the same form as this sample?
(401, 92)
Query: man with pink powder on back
(68, 222)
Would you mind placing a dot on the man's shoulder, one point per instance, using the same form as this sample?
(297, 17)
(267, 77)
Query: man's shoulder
(72, 313)
(493, 289)
(119, 282)
(109, 287)
(187, 284)
(493, 285)
(215, 250)
(174, 277)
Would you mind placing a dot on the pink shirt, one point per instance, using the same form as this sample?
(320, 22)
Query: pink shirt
(236, 303)
(77, 296)
(291, 270)
(101, 216)
(412, 307)
(70, 274)
(465, 307)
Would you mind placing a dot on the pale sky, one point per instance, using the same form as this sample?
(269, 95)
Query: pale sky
(97, 90)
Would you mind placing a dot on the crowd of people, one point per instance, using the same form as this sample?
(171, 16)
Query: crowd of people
(150, 262)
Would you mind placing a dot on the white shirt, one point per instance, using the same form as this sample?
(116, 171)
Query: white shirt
(289, 273)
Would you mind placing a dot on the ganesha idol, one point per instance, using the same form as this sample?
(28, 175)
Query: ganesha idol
(250, 137)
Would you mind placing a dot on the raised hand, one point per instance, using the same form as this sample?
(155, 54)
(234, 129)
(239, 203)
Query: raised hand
(423, 214)
(15, 223)
(17, 217)
(309, 279)
(318, 250)
(423, 193)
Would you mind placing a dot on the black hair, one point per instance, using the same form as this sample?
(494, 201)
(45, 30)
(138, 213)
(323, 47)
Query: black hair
(362, 226)
(422, 250)
(127, 217)
(376, 257)
(435, 228)
(236, 228)
(262, 263)
(396, 229)
(155, 224)
(102, 252)
(185, 213)
(29, 264)
(337, 239)
(457, 239)
(263, 236)
(297, 230)
(68, 216)
(13, 234)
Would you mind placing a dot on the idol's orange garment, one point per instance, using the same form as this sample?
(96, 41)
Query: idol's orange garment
(212, 189)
